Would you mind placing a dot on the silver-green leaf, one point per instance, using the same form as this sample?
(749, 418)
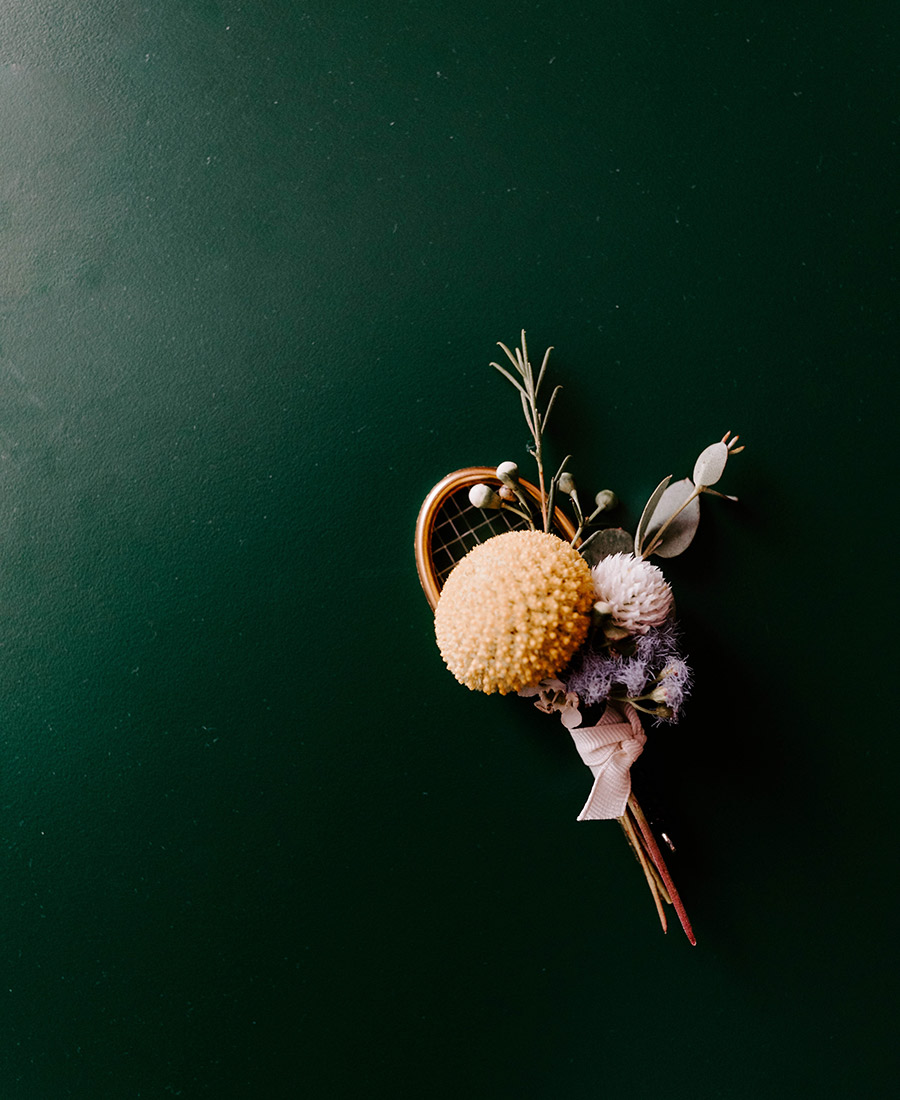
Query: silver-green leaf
(709, 466)
(649, 509)
(613, 540)
(680, 532)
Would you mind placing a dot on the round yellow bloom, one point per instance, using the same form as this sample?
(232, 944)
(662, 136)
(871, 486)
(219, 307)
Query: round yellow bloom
(514, 611)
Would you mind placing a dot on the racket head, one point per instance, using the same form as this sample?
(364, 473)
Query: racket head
(449, 526)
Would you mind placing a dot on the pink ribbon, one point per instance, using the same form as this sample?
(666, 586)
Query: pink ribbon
(609, 749)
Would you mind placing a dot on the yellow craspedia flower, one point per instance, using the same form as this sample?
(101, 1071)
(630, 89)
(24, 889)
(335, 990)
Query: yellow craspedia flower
(514, 611)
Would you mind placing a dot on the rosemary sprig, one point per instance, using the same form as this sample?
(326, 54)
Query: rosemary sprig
(536, 420)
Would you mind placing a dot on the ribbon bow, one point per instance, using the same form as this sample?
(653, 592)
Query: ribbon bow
(609, 749)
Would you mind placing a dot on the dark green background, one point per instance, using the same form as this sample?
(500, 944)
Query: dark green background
(254, 259)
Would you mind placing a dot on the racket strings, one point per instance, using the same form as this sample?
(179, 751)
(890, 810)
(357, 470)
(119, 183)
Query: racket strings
(460, 526)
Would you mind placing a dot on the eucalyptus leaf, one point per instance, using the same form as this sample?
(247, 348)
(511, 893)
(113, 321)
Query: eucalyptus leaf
(649, 509)
(680, 532)
(612, 540)
(709, 466)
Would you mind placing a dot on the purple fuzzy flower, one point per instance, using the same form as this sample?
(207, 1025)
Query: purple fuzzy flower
(633, 674)
(672, 687)
(655, 672)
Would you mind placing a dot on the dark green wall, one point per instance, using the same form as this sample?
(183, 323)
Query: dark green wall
(254, 259)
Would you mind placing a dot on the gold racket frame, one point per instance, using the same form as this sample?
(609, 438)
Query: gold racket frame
(432, 504)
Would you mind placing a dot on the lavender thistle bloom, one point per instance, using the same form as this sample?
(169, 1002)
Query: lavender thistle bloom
(660, 644)
(656, 668)
(672, 687)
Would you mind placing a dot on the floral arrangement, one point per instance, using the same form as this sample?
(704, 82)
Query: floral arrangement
(583, 624)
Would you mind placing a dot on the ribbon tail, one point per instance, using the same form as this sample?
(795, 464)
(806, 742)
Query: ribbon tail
(609, 794)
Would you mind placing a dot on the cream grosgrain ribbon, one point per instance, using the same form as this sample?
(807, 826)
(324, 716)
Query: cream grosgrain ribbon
(609, 749)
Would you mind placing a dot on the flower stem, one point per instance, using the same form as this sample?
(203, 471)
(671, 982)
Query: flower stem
(519, 512)
(650, 872)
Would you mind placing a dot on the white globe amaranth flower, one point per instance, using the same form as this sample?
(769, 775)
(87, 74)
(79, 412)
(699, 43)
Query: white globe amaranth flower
(636, 592)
